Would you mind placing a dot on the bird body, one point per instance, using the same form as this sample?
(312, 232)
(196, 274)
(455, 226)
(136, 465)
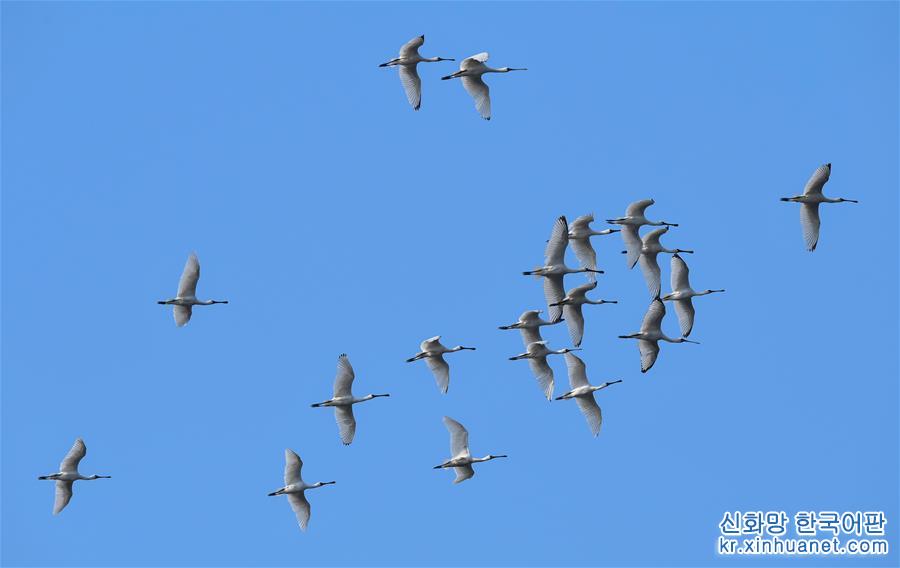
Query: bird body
(295, 488)
(433, 352)
(470, 73)
(682, 293)
(407, 63)
(343, 400)
(583, 392)
(186, 298)
(651, 334)
(462, 459)
(810, 199)
(529, 325)
(650, 248)
(68, 474)
(572, 303)
(536, 355)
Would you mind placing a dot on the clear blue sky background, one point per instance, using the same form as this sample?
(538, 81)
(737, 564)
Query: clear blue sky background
(336, 219)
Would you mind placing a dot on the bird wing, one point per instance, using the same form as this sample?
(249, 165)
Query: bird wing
(409, 76)
(441, 371)
(555, 252)
(582, 222)
(411, 47)
(478, 90)
(474, 61)
(182, 314)
(343, 380)
(187, 286)
(585, 253)
(463, 473)
(575, 320)
(679, 277)
(633, 244)
(430, 344)
(553, 293)
(809, 220)
(459, 438)
(591, 410)
(543, 373)
(649, 351)
(817, 180)
(530, 335)
(301, 508)
(346, 423)
(638, 207)
(63, 495)
(654, 316)
(577, 371)
(650, 268)
(69, 464)
(685, 310)
(292, 466)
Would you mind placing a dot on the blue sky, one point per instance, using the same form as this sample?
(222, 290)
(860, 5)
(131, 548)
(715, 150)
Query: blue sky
(335, 219)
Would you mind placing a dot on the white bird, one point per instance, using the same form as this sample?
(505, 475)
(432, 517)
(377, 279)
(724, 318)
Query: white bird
(470, 73)
(530, 324)
(583, 392)
(682, 293)
(294, 487)
(187, 293)
(650, 248)
(634, 219)
(407, 64)
(433, 352)
(580, 233)
(343, 399)
(555, 268)
(68, 474)
(536, 354)
(651, 334)
(461, 460)
(810, 200)
(572, 303)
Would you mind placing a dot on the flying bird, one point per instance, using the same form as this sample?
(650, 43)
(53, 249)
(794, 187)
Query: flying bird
(343, 400)
(651, 334)
(470, 73)
(68, 475)
(580, 233)
(407, 64)
(530, 324)
(572, 303)
(536, 354)
(433, 352)
(461, 460)
(187, 293)
(682, 293)
(294, 487)
(650, 248)
(633, 220)
(555, 268)
(809, 204)
(583, 392)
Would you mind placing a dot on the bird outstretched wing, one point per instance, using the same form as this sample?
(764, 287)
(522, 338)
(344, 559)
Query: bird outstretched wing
(591, 411)
(459, 438)
(301, 508)
(187, 286)
(441, 371)
(292, 466)
(685, 311)
(343, 380)
(346, 422)
(412, 85)
(69, 464)
(411, 47)
(63, 495)
(809, 221)
(817, 180)
(638, 207)
(463, 473)
(480, 92)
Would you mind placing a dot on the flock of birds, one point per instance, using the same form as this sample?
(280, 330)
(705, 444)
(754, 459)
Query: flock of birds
(562, 306)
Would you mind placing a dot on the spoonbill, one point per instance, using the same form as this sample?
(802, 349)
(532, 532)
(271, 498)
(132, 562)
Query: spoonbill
(407, 64)
(650, 248)
(530, 324)
(68, 475)
(682, 293)
(651, 334)
(343, 399)
(555, 268)
(470, 73)
(294, 487)
(461, 460)
(433, 352)
(809, 204)
(187, 290)
(583, 392)
(572, 303)
(580, 233)
(536, 354)
(634, 219)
